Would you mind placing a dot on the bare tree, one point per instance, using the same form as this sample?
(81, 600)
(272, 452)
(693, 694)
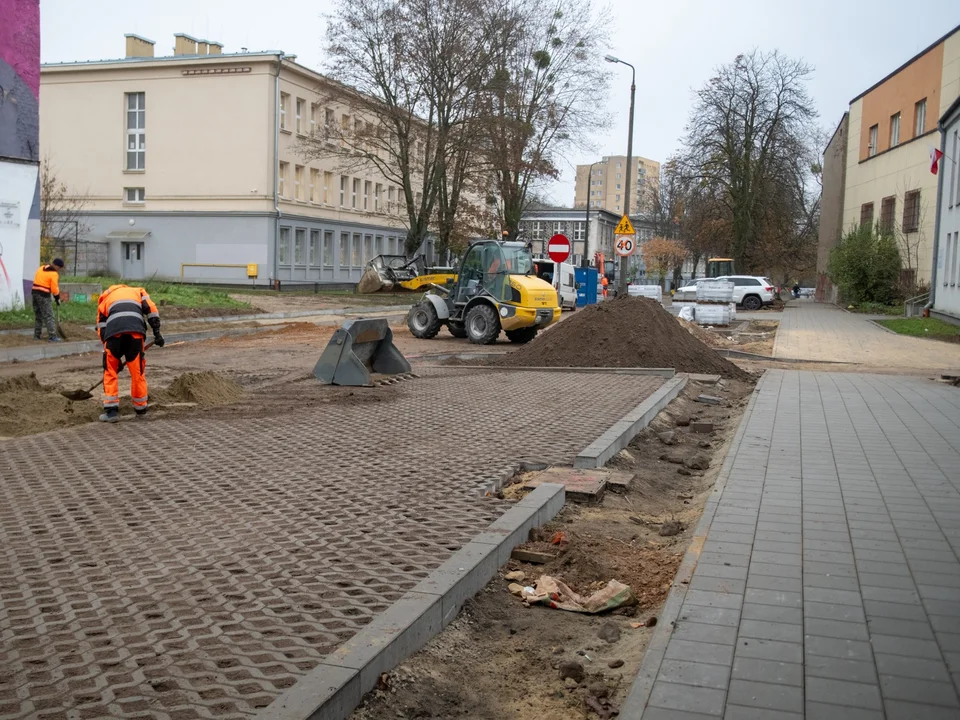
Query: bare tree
(62, 222)
(388, 124)
(410, 74)
(748, 142)
(546, 97)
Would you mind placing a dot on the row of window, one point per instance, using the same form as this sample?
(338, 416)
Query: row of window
(354, 249)
(543, 230)
(362, 133)
(888, 212)
(303, 123)
(919, 125)
(318, 187)
(950, 274)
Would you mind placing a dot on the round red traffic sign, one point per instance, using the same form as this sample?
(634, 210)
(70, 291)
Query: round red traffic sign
(558, 248)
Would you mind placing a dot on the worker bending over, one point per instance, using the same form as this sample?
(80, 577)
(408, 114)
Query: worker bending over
(46, 291)
(122, 316)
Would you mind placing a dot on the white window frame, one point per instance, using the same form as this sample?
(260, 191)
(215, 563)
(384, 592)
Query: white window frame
(284, 99)
(327, 252)
(354, 192)
(920, 117)
(313, 249)
(298, 182)
(344, 251)
(873, 138)
(139, 195)
(283, 247)
(894, 130)
(281, 178)
(377, 192)
(300, 104)
(299, 246)
(135, 107)
(367, 185)
(344, 182)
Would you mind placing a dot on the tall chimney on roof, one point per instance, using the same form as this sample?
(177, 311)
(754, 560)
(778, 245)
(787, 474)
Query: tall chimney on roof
(138, 46)
(202, 47)
(215, 48)
(183, 44)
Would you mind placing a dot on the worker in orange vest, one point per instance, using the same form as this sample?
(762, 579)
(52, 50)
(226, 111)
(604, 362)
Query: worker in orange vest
(46, 291)
(122, 316)
(604, 282)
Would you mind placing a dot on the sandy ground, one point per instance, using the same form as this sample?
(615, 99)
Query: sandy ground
(268, 358)
(500, 660)
(270, 303)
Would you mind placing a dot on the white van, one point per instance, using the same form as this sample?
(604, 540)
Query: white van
(562, 277)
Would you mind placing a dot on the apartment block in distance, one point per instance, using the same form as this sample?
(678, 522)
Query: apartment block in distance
(188, 165)
(889, 132)
(604, 186)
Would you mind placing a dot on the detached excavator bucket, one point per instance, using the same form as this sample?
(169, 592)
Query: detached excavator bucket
(356, 350)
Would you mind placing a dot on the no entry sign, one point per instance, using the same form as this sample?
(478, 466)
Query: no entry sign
(559, 248)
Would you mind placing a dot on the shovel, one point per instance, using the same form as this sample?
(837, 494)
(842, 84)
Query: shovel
(60, 333)
(87, 394)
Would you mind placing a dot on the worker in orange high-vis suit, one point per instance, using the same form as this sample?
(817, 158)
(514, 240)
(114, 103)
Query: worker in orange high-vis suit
(46, 291)
(122, 316)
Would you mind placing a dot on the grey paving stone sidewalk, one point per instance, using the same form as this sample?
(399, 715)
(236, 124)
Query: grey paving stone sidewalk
(829, 582)
(820, 332)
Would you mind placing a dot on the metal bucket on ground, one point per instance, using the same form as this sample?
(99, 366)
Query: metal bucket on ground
(358, 349)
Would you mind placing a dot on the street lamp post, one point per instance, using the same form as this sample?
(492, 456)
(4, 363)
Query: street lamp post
(622, 285)
(585, 261)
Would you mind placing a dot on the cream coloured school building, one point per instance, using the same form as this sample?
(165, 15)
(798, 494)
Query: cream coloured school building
(188, 167)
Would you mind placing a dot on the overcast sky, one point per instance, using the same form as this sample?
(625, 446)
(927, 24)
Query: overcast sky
(673, 43)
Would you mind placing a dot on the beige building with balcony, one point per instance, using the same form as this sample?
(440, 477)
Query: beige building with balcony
(604, 186)
(219, 185)
(884, 145)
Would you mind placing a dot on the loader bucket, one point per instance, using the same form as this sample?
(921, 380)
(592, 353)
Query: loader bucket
(356, 350)
(372, 281)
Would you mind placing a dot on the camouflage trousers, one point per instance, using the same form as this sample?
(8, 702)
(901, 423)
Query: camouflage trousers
(43, 315)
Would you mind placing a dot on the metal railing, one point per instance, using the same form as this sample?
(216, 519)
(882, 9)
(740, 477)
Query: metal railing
(913, 307)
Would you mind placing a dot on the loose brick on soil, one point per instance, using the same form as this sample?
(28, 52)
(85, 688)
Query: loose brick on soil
(626, 332)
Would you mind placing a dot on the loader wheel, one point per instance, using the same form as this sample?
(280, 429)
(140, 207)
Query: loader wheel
(483, 325)
(523, 335)
(423, 321)
(457, 330)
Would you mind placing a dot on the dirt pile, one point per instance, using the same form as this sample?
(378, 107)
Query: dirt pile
(27, 407)
(626, 332)
(203, 388)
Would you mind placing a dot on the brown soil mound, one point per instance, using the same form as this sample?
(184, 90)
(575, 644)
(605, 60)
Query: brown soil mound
(626, 332)
(27, 407)
(203, 388)
(20, 383)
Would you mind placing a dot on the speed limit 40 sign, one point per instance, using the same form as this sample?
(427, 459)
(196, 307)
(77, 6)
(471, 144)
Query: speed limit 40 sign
(625, 245)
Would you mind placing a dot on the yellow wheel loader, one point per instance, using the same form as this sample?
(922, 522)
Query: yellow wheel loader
(396, 273)
(495, 289)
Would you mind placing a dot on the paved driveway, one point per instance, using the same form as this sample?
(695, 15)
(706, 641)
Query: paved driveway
(194, 568)
(828, 586)
(825, 333)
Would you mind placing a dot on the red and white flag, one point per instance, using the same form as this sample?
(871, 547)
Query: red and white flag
(935, 156)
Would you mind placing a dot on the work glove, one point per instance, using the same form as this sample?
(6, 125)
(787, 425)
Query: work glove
(57, 301)
(158, 339)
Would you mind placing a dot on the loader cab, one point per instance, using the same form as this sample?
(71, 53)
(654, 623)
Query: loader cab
(486, 268)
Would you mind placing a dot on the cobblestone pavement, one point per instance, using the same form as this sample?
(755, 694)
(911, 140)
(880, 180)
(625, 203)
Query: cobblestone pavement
(829, 582)
(194, 568)
(820, 332)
